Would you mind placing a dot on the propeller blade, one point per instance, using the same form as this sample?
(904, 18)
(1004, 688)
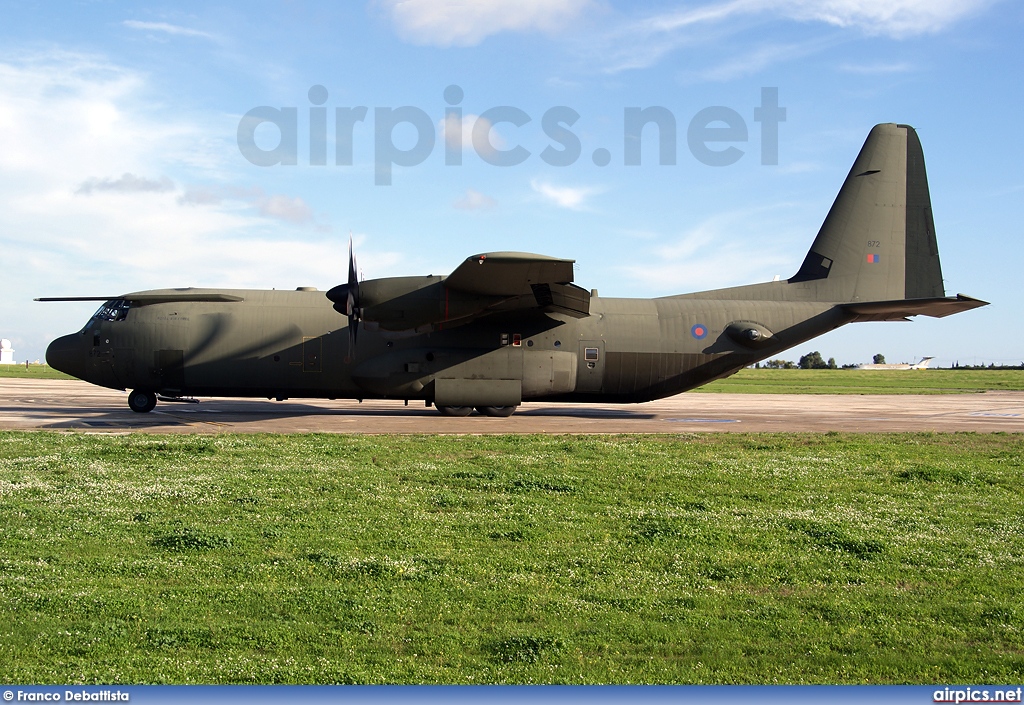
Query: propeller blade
(352, 299)
(345, 298)
(353, 276)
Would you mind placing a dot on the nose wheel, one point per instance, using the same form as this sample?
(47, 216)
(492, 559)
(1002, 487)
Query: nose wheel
(141, 401)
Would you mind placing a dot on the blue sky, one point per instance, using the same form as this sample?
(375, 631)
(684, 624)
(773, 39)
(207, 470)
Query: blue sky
(120, 167)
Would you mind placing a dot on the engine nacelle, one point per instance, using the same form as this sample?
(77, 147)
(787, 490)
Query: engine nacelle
(421, 304)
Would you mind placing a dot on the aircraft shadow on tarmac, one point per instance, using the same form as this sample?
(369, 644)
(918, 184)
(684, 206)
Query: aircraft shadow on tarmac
(585, 413)
(240, 412)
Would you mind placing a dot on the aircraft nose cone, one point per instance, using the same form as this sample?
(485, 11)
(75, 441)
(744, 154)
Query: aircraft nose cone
(66, 354)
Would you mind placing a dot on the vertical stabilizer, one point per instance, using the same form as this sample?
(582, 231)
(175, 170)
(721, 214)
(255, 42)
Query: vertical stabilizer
(878, 241)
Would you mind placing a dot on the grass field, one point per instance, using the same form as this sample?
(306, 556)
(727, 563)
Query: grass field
(784, 381)
(867, 381)
(338, 559)
(31, 372)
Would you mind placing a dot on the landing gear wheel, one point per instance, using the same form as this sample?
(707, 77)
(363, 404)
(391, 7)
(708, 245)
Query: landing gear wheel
(500, 411)
(455, 410)
(141, 401)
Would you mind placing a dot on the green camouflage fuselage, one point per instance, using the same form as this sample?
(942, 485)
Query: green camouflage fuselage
(505, 327)
(294, 344)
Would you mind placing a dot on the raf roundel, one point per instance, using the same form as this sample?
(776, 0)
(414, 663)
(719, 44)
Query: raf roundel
(699, 331)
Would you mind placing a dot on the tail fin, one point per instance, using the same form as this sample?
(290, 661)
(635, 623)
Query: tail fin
(878, 241)
(875, 255)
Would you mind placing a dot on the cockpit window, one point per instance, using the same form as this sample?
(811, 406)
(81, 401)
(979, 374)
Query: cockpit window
(113, 310)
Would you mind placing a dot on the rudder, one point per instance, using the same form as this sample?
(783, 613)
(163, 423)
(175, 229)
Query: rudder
(923, 272)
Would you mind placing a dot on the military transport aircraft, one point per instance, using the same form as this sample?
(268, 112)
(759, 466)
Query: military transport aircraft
(505, 327)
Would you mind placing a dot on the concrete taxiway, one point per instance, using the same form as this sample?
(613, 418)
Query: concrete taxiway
(64, 405)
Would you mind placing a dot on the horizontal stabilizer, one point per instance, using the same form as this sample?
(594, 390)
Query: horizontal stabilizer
(899, 309)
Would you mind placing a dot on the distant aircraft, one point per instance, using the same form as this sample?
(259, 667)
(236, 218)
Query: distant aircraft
(505, 327)
(922, 365)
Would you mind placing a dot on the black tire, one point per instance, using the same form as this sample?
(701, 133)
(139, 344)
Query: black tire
(455, 410)
(498, 411)
(141, 401)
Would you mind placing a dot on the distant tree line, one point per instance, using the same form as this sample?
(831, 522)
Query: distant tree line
(814, 361)
(810, 361)
(990, 366)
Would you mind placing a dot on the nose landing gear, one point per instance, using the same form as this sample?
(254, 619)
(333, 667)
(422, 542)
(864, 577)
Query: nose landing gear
(141, 401)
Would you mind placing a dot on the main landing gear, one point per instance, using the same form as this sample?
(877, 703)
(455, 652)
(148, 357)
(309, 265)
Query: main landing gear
(499, 411)
(141, 401)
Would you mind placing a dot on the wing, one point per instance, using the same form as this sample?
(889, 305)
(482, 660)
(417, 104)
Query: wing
(508, 273)
(545, 282)
(482, 285)
(157, 296)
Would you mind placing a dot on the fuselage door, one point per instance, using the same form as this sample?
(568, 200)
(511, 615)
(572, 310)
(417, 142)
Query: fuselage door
(590, 375)
(169, 366)
(124, 365)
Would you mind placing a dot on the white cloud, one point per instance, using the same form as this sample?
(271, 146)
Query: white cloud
(644, 42)
(290, 210)
(896, 18)
(128, 183)
(892, 17)
(878, 68)
(458, 134)
(564, 196)
(711, 256)
(755, 60)
(473, 200)
(166, 28)
(468, 22)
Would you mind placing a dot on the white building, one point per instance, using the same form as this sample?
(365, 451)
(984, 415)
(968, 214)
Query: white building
(6, 352)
